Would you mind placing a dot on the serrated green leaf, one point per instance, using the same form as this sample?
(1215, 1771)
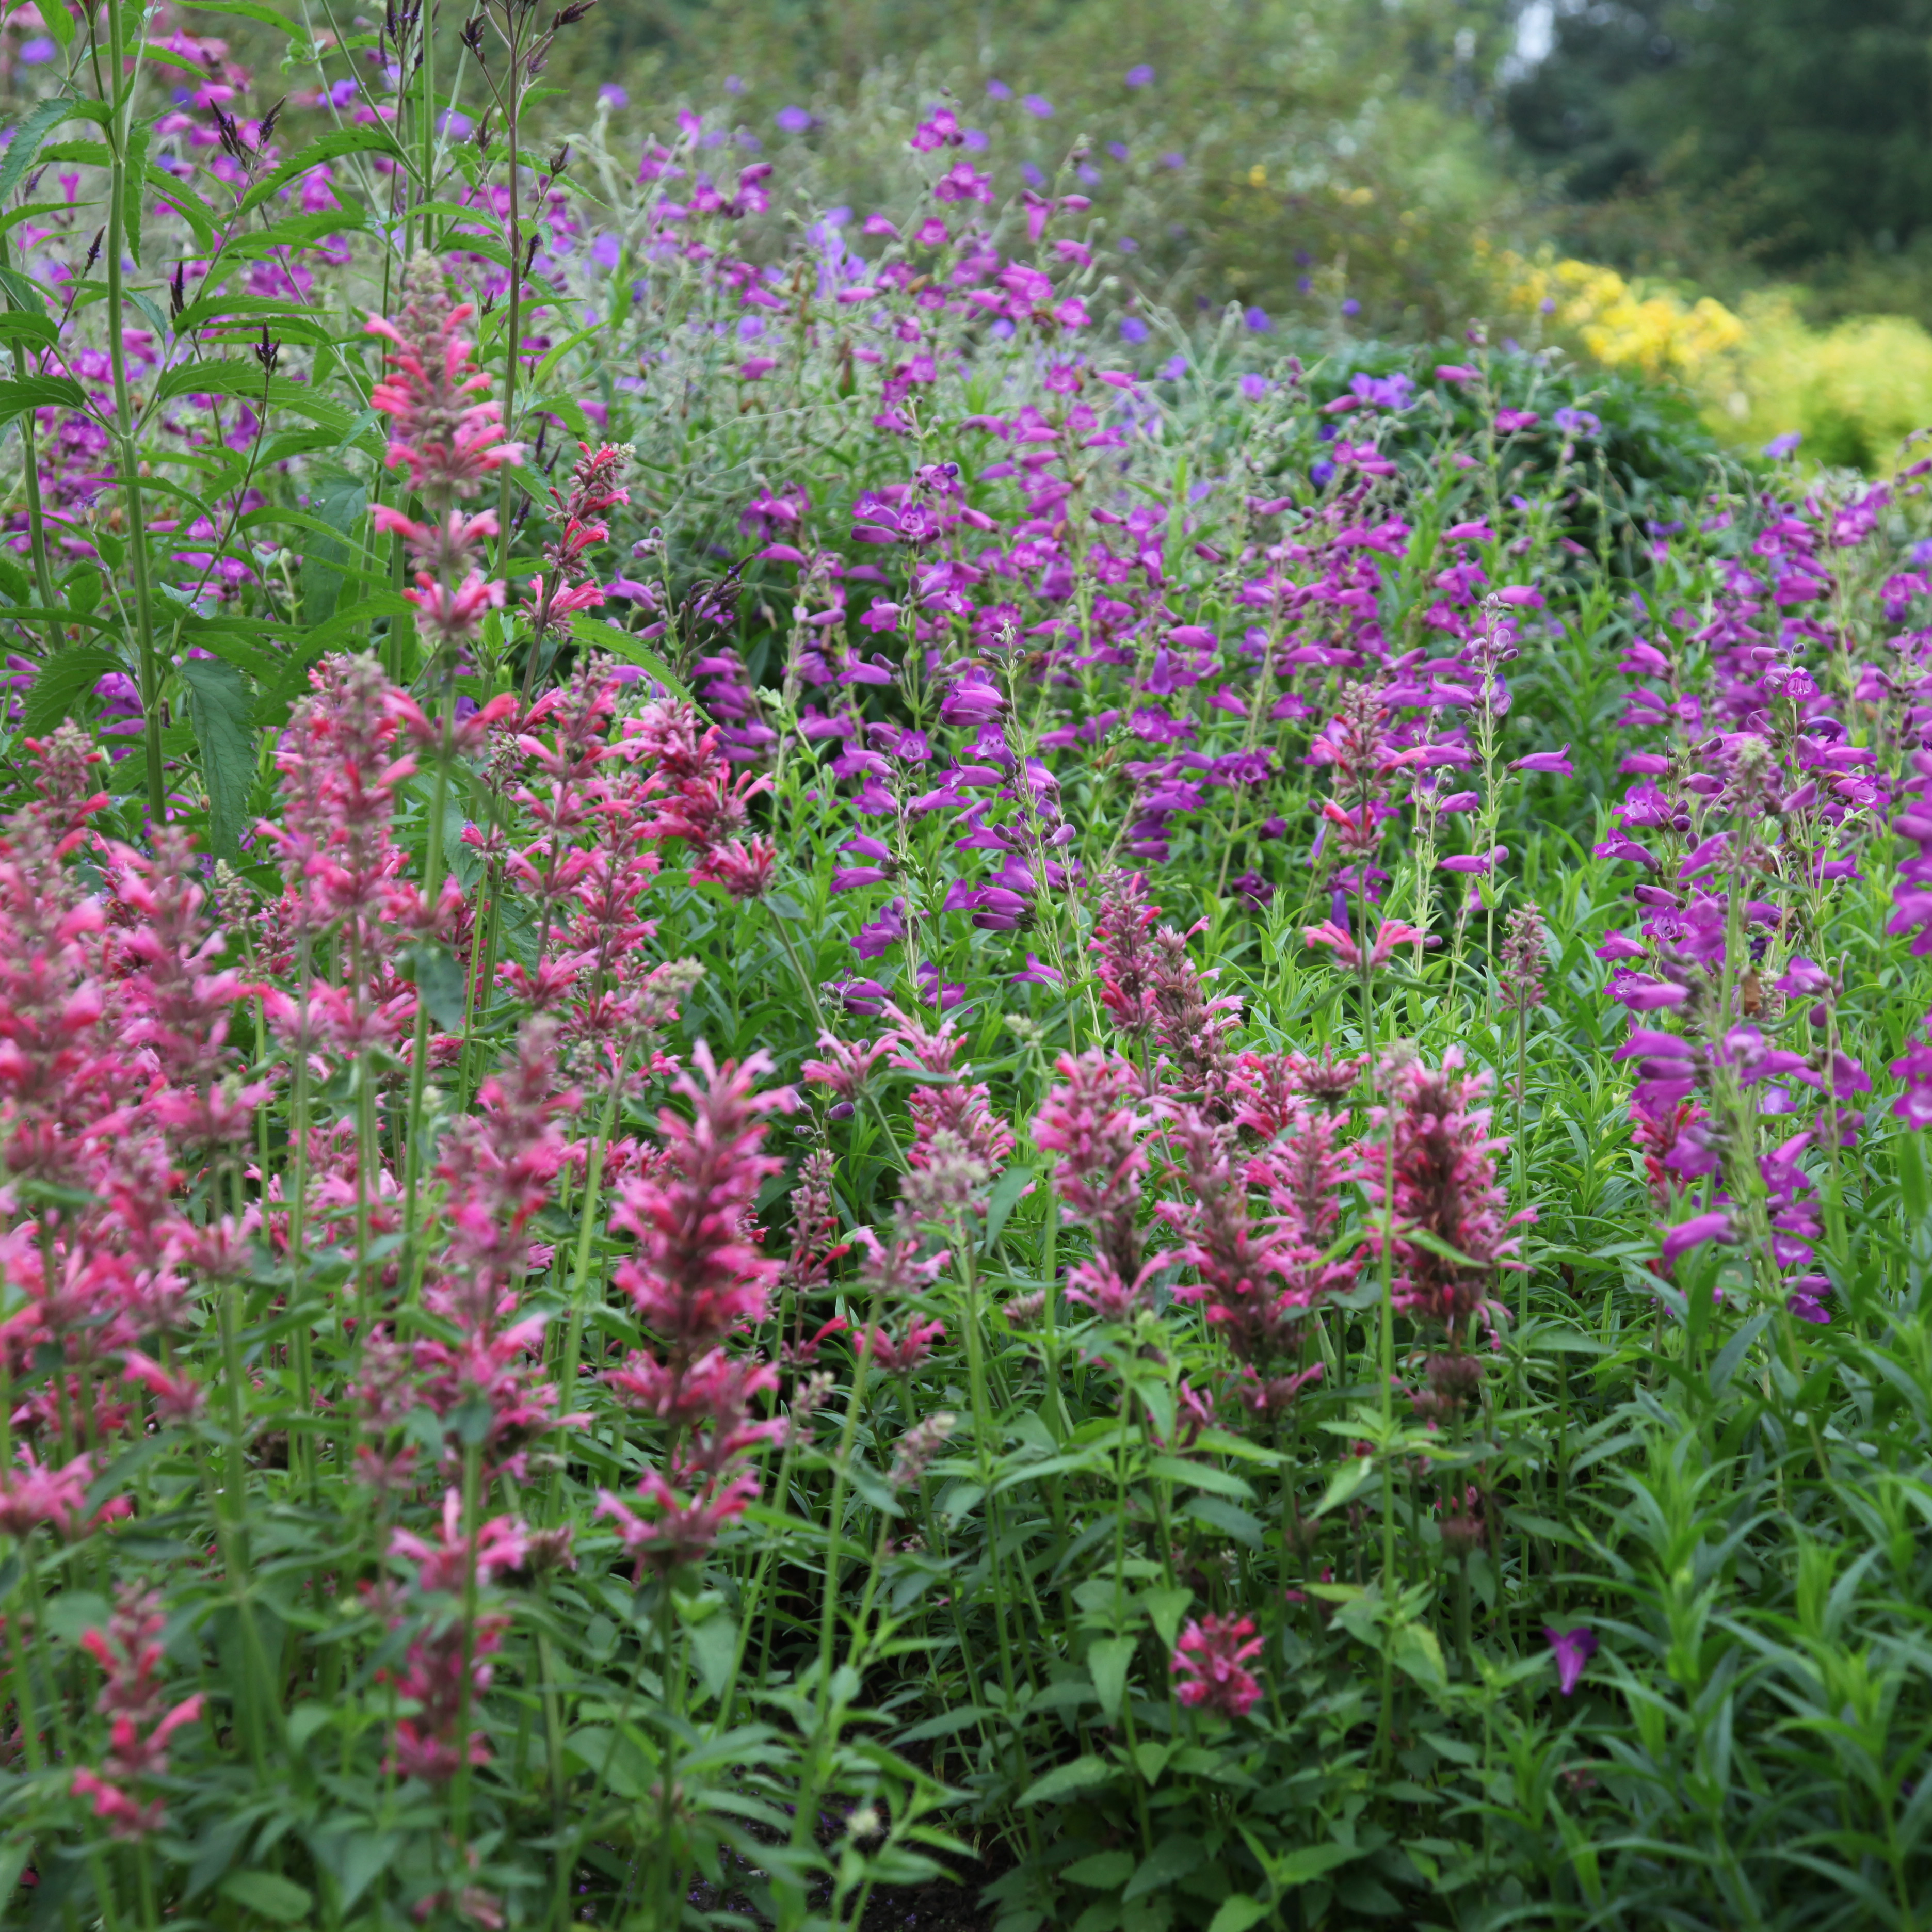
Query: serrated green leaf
(1199, 1476)
(714, 1649)
(1064, 1781)
(599, 636)
(1171, 1860)
(1345, 1482)
(439, 980)
(221, 709)
(1237, 1914)
(1101, 1871)
(1230, 1517)
(1108, 1662)
(268, 1894)
(40, 392)
(29, 134)
(131, 185)
(339, 500)
(61, 684)
(1418, 1653)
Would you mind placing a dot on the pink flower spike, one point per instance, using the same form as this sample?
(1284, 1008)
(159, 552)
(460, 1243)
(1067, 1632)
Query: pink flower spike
(1212, 1655)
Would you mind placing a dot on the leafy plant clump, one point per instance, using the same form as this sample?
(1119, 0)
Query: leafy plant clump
(816, 1074)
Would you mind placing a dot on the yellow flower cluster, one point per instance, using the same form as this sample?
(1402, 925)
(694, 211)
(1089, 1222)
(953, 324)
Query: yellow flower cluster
(1622, 323)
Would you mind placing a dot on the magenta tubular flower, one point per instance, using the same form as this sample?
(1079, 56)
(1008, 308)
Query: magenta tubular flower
(1389, 934)
(1572, 1649)
(902, 1357)
(130, 1654)
(1093, 1121)
(696, 1275)
(680, 1527)
(448, 440)
(1443, 1160)
(445, 1565)
(1126, 962)
(427, 1745)
(961, 1112)
(1715, 1225)
(1211, 1657)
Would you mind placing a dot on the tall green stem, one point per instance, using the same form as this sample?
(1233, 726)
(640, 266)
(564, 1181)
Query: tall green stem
(126, 460)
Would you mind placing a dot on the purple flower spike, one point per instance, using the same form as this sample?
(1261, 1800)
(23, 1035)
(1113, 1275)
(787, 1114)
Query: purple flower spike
(1574, 1649)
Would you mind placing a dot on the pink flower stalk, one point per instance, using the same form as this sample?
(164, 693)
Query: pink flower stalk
(679, 1528)
(902, 1357)
(815, 1244)
(1190, 1027)
(595, 486)
(1389, 934)
(714, 1387)
(1127, 962)
(426, 1744)
(177, 1397)
(130, 1655)
(696, 1275)
(341, 764)
(1525, 950)
(1094, 1123)
(1444, 1167)
(743, 868)
(848, 1065)
(1098, 1285)
(957, 1120)
(445, 1566)
(448, 441)
(1212, 1657)
(32, 1494)
(1235, 1266)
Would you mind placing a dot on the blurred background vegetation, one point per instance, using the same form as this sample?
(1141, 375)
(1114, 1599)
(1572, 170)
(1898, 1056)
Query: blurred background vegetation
(1733, 198)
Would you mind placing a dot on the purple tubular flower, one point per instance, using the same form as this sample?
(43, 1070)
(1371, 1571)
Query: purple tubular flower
(972, 701)
(1714, 1226)
(1573, 1649)
(874, 941)
(1556, 764)
(1645, 995)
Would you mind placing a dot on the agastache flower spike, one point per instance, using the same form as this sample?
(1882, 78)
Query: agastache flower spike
(448, 442)
(1211, 1659)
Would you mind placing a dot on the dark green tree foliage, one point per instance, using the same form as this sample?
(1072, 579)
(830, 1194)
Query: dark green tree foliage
(1816, 113)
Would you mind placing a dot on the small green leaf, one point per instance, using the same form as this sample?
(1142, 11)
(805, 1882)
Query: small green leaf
(439, 980)
(1006, 1195)
(339, 500)
(269, 1895)
(1173, 1859)
(62, 683)
(221, 709)
(1108, 1661)
(1237, 1914)
(714, 1649)
(40, 392)
(29, 134)
(1167, 1608)
(1230, 1518)
(1082, 1774)
(597, 635)
(1101, 1871)
(1199, 1476)
(1418, 1653)
(1345, 1482)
